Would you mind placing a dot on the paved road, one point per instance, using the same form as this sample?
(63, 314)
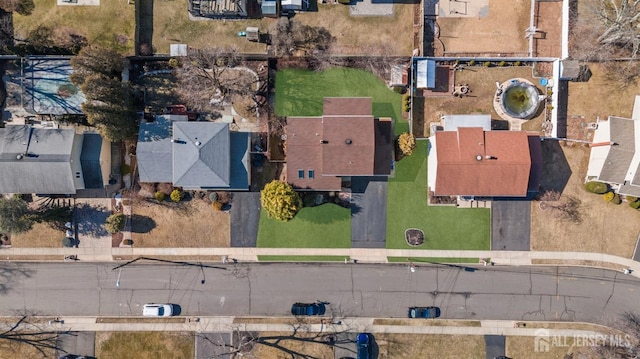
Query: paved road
(360, 290)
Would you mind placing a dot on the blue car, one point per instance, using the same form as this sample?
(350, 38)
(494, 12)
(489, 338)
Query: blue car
(424, 312)
(308, 309)
(362, 342)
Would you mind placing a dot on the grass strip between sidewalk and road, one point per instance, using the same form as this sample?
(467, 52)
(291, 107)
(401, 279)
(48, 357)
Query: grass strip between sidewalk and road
(302, 258)
(432, 260)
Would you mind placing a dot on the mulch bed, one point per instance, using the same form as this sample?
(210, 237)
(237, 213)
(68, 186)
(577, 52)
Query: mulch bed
(414, 237)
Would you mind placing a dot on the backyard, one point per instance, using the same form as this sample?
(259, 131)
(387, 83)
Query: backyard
(111, 24)
(354, 35)
(444, 227)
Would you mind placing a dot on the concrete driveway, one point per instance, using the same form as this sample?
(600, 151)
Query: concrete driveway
(510, 225)
(368, 212)
(245, 215)
(77, 343)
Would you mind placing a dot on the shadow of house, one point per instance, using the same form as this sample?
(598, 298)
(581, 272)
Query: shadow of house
(555, 167)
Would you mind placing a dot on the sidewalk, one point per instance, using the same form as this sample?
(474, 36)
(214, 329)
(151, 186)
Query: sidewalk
(355, 325)
(360, 255)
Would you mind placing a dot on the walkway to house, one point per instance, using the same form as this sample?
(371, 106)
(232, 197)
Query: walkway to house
(89, 217)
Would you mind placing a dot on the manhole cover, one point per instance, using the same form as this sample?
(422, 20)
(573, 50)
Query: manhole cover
(414, 236)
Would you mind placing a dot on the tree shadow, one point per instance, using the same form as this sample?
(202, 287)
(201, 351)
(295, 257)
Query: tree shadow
(11, 275)
(142, 224)
(90, 220)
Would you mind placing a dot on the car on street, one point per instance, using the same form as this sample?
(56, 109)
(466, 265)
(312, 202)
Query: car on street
(363, 345)
(317, 308)
(157, 310)
(424, 312)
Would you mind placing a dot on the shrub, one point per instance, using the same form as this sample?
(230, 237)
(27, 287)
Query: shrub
(176, 195)
(115, 223)
(517, 63)
(472, 62)
(160, 196)
(407, 143)
(174, 63)
(399, 89)
(616, 199)
(487, 64)
(406, 102)
(596, 187)
(213, 196)
(631, 198)
(280, 200)
(125, 169)
(634, 205)
(345, 2)
(502, 63)
(608, 196)
(217, 206)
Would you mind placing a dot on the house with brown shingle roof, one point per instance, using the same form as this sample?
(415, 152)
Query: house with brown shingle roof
(345, 141)
(470, 161)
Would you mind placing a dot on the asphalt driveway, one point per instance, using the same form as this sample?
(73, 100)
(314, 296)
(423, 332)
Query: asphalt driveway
(245, 215)
(510, 225)
(368, 212)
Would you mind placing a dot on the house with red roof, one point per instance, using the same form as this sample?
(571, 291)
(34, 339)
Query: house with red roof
(347, 140)
(470, 161)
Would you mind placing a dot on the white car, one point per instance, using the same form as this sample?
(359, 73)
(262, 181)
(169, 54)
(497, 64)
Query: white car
(157, 310)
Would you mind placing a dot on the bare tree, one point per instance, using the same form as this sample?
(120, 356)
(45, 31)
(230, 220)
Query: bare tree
(289, 36)
(565, 207)
(243, 342)
(208, 77)
(24, 331)
(625, 346)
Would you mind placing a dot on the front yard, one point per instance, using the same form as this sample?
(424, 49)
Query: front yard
(325, 226)
(444, 227)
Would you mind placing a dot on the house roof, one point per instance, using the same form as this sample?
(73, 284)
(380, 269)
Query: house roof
(474, 162)
(193, 154)
(36, 160)
(618, 160)
(201, 154)
(345, 141)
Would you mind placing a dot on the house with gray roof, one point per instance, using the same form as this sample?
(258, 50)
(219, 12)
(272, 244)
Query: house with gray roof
(193, 155)
(615, 154)
(52, 161)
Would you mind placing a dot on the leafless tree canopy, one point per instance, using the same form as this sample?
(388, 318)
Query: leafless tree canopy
(289, 36)
(22, 331)
(629, 346)
(208, 77)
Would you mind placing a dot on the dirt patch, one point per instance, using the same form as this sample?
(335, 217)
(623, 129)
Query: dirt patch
(480, 35)
(604, 226)
(186, 224)
(414, 237)
(585, 263)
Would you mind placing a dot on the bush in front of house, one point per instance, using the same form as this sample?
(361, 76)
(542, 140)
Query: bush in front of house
(280, 200)
(160, 196)
(176, 195)
(115, 223)
(596, 187)
(217, 206)
(608, 197)
(616, 199)
(406, 102)
(631, 199)
(213, 196)
(407, 143)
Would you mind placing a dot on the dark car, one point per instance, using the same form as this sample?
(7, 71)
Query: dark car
(308, 309)
(362, 341)
(424, 312)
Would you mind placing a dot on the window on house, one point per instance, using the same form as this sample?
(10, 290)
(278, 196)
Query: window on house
(311, 174)
(300, 173)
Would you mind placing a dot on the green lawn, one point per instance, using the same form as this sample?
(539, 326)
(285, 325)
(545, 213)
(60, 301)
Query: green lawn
(300, 92)
(444, 227)
(325, 226)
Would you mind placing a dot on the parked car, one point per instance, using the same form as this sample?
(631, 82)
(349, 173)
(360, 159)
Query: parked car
(424, 312)
(317, 308)
(364, 349)
(157, 310)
